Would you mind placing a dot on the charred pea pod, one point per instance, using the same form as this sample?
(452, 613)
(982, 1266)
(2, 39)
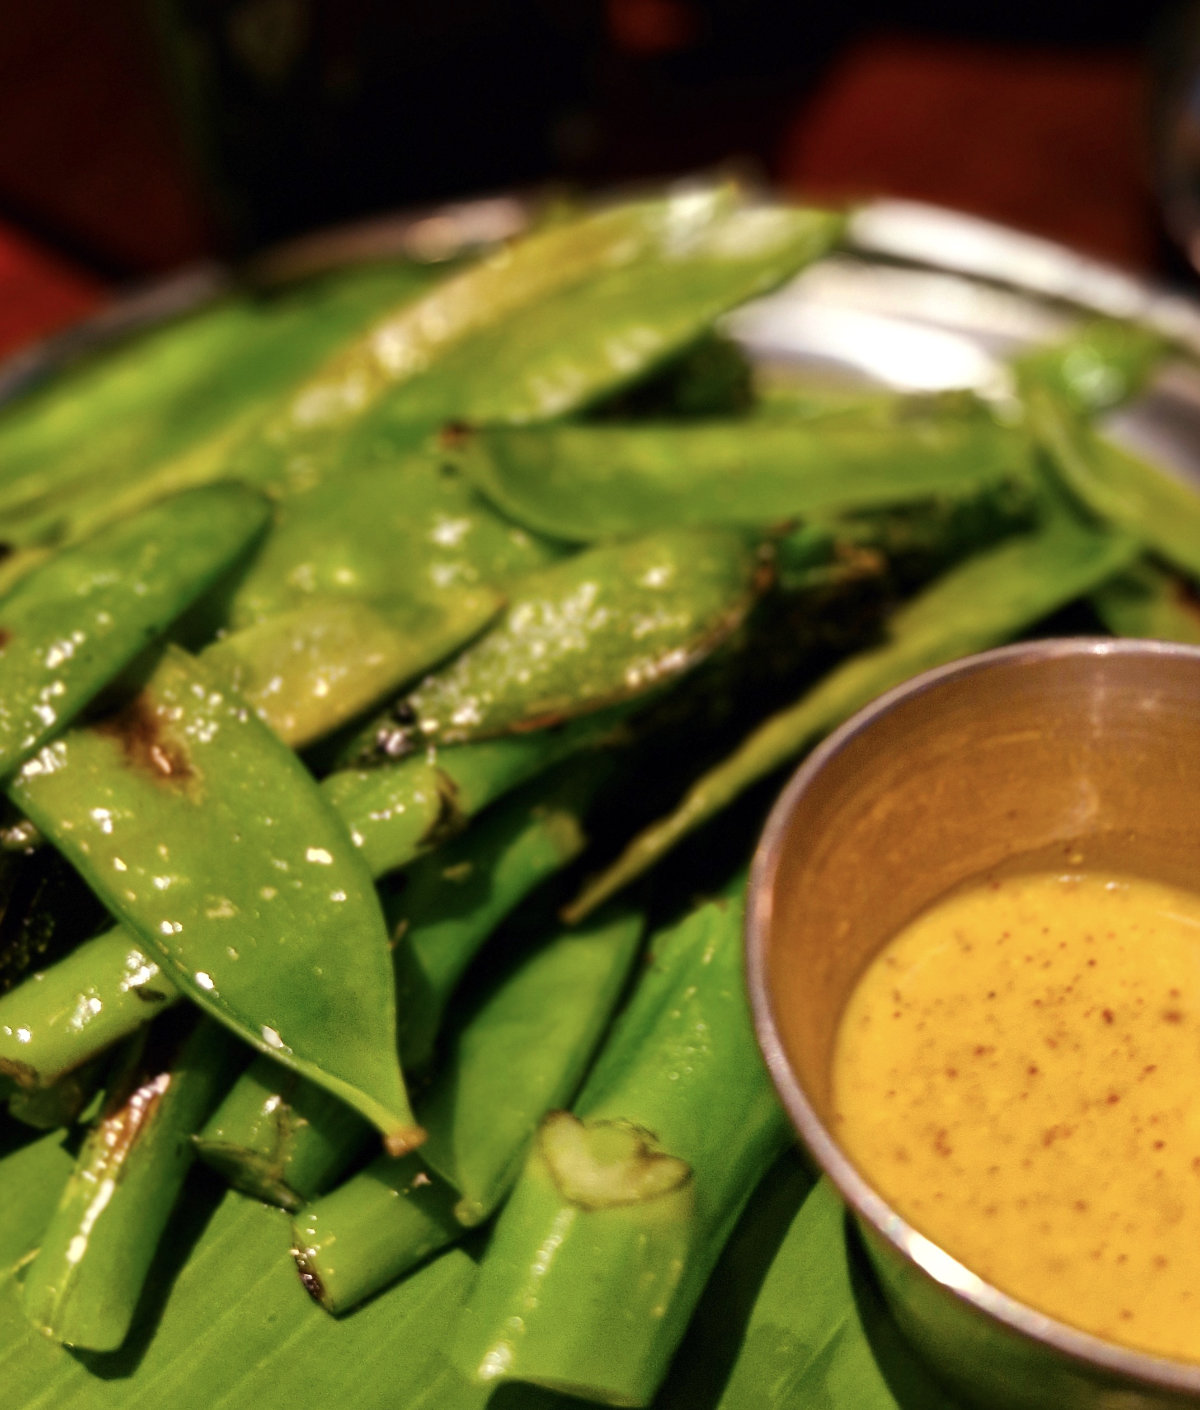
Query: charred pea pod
(109, 986)
(991, 597)
(311, 670)
(63, 1101)
(75, 622)
(84, 1284)
(284, 942)
(521, 1053)
(286, 1142)
(585, 483)
(606, 1242)
(603, 627)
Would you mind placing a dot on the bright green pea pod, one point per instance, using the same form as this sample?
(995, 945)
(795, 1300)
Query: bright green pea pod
(606, 1243)
(85, 1283)
(317, 667)
(1116, 486)
(584, 483)
(410, 344)
(207, 837)
(605, 626)
(163, 412)
(1099, 365)
(344, 537)
(287, 1142)
(1148, 601)
(521, 1053)
(992, 597)
(396, 811)
(75, 622)
(586, 339)
(109, 986)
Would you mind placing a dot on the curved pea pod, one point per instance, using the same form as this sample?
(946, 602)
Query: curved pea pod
(1148, 601)
(993, 596)
(85, 1283)
(395, 811)
(205, 834)
(345, 536)
(583, 482)
(606, 1242)
(80, 618)
(164, 411)
(420, 343)
(286, 1142)
(1097, 366)
(586, 339)
(308, 671)
(109, 986)
(605, 626)
(520, 1053)
(1116, 486)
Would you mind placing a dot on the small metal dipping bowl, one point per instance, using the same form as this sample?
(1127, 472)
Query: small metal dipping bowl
(1075, 753)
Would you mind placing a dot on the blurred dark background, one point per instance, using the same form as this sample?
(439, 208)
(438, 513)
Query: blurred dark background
(141, 134)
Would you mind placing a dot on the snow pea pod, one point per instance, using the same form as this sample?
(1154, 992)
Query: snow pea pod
(583, 483)
(606, 1242)
(164, 411)
(410, 344)
(990, 598)
(520, 1053)
(395, 811)
(85, 1283)
(605, 626)
(109, 986)
(286, 1142)
(207, 837)
(70, 626)
(1149, 601)
(344, 538)
(588, 338)
(1097, 366)
(308, 671)
(1116, 486)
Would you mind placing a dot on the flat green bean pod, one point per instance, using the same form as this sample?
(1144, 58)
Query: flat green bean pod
(584, 483)
(604, 626)
(70, 626)
(209, 839)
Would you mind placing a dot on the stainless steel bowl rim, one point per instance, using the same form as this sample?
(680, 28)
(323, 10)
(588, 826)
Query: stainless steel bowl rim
(870, 1207)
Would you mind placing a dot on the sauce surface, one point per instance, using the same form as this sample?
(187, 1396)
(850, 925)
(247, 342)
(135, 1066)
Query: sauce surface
(1018, 1074)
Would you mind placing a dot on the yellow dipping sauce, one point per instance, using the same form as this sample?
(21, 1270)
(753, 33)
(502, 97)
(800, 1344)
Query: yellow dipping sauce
(1018, 1074)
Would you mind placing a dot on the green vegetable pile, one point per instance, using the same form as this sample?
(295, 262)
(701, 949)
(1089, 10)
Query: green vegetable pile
(393, 676)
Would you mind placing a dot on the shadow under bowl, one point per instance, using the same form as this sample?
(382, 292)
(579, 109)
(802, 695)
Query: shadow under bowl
(1083, 752)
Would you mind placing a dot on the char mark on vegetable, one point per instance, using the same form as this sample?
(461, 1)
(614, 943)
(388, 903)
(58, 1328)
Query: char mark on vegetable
(450, 819)
(21, 1073)
(6, 549)
(140, 731)
(5, 634)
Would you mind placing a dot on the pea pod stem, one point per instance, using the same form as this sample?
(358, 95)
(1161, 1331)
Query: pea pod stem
(606, 1242)
(84, 1284)
(520, 1054)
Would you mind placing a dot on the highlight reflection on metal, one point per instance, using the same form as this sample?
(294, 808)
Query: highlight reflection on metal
(966, 768)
